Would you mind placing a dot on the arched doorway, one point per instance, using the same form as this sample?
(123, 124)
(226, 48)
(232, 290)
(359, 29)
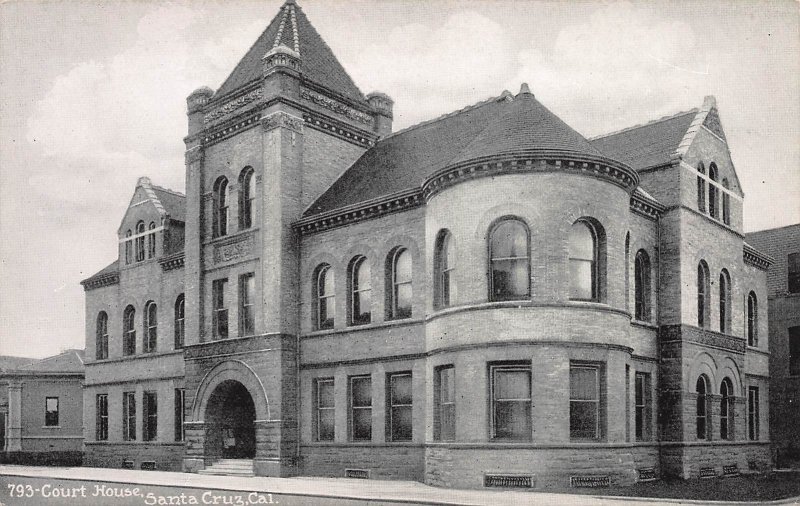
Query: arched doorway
(230, 422)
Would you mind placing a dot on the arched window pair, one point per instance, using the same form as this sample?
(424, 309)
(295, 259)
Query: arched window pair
(703, 408)
(714, 192)
(642, 309)
(752, 319)
(247, 195)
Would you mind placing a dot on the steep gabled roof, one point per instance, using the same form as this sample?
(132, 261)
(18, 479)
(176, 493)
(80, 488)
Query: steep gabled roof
(291, 28)
(404, 160)
(647, 145)
(174, 203)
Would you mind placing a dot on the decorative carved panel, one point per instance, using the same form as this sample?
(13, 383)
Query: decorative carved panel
(233, 249)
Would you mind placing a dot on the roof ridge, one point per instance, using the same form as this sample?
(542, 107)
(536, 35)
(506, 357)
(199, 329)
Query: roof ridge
(651, 122)
(449, 114)
(168, 190)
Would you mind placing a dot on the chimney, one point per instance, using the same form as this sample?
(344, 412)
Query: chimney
(382, 106)
(195, 103)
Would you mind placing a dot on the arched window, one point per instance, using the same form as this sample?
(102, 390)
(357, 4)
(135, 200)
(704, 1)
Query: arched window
(247, 196)
(140, 241)
(180, 321)
(360, 291)
(713, 192)
(400, 278)
(702, 407)
(510, 264)
(701, 188)
(752, 319)
(583, 261)
(128, 331)
(151, 241)
(444, 263)
(128, 247)
(702, 295)
(724, 302)
(101, 341)
(726, 202)
(325, 297)
(220, 220)
(726, 410)
(642, 286)
(150, 327)
(627, 271)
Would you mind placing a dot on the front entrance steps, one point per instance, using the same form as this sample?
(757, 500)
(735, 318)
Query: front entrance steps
(230, 467)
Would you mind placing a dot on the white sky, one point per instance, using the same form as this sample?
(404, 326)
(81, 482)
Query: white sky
(93, 96)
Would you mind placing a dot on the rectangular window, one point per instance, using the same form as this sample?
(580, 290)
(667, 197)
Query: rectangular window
(643, 407)
(129, 416)
(180, 407)
(584, 401)
(324, 407)
(752, 413)
(444, 393)
(51, 412)
(149, 417)
(793, 268)
(511, 401)
(399, 410)
(247, 295)
(101, 417)
(360, 408)
(794, 351)
(220, 314)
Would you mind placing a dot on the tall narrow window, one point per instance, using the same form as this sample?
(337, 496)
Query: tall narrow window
(794, 351)
(444, 424)
(151, 241)
(644, 407)
(726, 409)
(510, 261)
(701, 409)
(400, 278)
(753, 421)
(149, 417)
(724, 302)
(101, 339)
(150, 327)
(583, 261)
(584, 402)
(399, 407)
(752, 319)
(713, 192)
(101, 412)
(325, 297)
(701, 188)
(180, 321)
(628, 271)
(220, 216)
(726, 202)
(444, 265)
(51, 412)
(220, 314)
(140, 232)
(511, 401)
(325, 409)
(129, 416)
(793, 272)
(360, 408)
(360, 291)
(128, 331)
(128, 247)
(642, 286)
(180, 413)
(702, 295)
(247, 297)
(247, 196)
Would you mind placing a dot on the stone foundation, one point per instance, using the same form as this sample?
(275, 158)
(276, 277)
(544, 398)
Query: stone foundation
(167, 456)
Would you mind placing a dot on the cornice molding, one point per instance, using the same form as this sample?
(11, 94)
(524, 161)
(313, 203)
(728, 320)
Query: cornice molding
(227, 108)
(173, 261)
(282, 119)
(335, 106)
(755, 258)
(645, 207)
(107, 279)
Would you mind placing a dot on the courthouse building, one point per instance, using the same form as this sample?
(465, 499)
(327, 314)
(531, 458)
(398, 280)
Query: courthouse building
(487, 298)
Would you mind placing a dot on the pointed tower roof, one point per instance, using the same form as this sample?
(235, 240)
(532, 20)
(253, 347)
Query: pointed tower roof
(291, 29)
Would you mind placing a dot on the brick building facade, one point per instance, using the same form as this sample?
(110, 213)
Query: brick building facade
(486, 298)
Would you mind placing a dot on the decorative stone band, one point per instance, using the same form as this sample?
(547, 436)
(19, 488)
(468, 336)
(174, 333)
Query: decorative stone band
(755, 258)
(646, 207)
(230, 130)
(282, 119)
(396, 202)
(335, 106)
(110, 278)
(341, 131)
(173, 261)
(234, 248)
(232, 105)
(532, 161)
(690, 333)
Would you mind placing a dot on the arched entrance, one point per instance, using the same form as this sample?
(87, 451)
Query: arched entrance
(230, 422)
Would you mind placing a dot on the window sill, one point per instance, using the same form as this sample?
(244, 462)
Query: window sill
(523, 304)
(51, 426)
(126, 358)
(230, 236)
(645, 324)
(366, 326)
(756, 349)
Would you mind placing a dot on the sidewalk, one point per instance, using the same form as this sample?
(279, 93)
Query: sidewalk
(302, 488)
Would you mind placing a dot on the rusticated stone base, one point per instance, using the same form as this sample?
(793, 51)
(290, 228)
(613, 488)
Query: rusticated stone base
(167, 456)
